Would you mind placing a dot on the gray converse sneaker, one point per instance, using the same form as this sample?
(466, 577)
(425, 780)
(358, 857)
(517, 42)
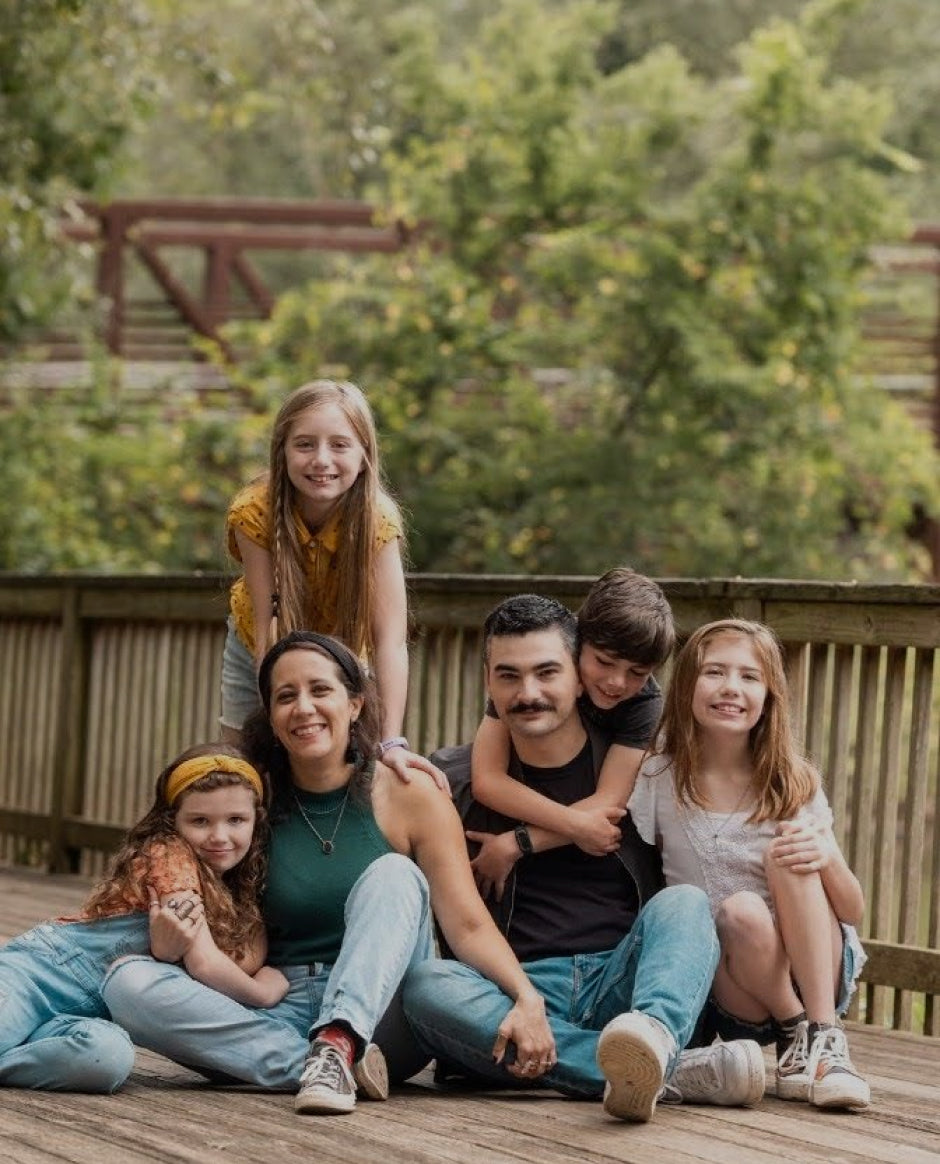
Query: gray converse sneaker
(633, 1052)
(726, 1074)
(793, 1066)
(371, 1073)
(834, 1081)
(327, 1085)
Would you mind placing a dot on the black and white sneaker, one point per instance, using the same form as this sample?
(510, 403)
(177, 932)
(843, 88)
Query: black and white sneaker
(327, 1086)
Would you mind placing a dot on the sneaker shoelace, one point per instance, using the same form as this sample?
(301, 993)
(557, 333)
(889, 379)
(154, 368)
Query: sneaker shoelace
(831, 1051)
(793, 1060)
(325, 1067)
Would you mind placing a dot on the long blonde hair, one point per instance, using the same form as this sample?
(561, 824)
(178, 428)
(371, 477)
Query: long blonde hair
(356, 553)
(784, 777)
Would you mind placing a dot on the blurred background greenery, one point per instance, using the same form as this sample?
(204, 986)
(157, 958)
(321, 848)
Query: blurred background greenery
(629, 328)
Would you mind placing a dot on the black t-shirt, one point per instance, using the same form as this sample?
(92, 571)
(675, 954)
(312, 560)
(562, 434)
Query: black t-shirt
(630, 723)
(564, 899)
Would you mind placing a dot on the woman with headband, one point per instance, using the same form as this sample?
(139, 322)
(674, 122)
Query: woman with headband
(184, 883)
(356, 859)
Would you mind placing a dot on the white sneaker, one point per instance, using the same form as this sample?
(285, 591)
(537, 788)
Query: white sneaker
(327, 1085)
(633, 1052)
(834, 1081)
(725, 1074)
(793, 1076)
(371, 1073)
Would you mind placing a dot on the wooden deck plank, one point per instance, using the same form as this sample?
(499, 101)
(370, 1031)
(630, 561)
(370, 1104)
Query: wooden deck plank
(166, 1113)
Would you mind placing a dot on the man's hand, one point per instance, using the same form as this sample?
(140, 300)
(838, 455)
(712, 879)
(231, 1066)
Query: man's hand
(527, 1028)
(493, 864)
(595, 830)
(175, 925)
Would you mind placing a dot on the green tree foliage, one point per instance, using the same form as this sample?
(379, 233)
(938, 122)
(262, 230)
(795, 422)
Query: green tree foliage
(72, 84)
(688, 252)
(625, 329)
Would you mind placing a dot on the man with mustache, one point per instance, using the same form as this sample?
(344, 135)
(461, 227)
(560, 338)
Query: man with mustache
(623, 964)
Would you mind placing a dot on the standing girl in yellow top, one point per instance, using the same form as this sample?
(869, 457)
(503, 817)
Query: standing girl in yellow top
(320, 543)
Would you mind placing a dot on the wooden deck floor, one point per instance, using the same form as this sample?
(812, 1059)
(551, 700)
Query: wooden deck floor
(168, 1114)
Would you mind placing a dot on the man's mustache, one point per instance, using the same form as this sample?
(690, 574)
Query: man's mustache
(527, 708)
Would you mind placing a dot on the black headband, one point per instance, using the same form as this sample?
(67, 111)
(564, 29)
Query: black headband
(340, 654)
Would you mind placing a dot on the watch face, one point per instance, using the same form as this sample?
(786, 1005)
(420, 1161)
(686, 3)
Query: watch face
(523, 840)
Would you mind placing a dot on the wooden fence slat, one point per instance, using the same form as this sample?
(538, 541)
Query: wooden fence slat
(915, 817)
(797, 674)
(819, 656)
(880, 905)
(865, 760)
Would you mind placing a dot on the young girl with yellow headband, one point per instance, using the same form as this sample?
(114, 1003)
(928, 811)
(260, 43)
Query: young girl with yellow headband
(184, 886)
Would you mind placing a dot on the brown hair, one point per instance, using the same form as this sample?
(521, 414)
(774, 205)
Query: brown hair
(784, 778)
(231, 899)
(356, 554)
(627, 614)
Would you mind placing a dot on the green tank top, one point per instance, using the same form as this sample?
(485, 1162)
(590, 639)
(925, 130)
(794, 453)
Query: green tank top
(305, 896)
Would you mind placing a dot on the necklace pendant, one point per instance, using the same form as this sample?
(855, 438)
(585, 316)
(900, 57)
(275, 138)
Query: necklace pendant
(327, 847)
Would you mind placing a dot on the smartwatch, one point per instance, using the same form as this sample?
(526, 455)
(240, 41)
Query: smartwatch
(523, 840)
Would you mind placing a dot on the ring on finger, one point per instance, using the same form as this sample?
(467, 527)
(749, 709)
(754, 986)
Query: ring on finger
(184, 910)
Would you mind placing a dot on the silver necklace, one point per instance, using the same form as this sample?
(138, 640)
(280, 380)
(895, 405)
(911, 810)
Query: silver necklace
(727, 817)
(326, 843)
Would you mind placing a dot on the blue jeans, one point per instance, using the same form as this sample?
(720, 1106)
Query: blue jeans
(663, 967)
(388, 930)
(55, 1031)
(240, 695)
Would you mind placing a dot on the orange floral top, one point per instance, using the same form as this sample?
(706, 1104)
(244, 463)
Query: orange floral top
(170, 866)
(249, 515)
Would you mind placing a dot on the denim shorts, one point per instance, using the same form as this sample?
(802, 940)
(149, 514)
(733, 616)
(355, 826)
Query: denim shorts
(715, 1020)
(239, 682)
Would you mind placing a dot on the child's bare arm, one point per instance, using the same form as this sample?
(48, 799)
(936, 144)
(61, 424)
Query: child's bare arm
(178, 925)
(494, 787)
(208, 965)
(259, 579)
(256, 954)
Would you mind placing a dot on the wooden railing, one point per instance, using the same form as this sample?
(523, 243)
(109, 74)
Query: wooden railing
(104, 679)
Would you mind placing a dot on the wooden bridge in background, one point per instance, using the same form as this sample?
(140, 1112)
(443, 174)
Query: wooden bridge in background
(155, 319)
(172, 269)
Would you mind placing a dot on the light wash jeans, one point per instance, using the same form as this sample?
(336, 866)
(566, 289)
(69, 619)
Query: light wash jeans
(388, 931)
(54, 1028)
(240, 695)
(663, 967)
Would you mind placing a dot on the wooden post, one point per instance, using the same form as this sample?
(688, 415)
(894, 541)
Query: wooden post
(70, 720)
(216, 282)
(111, 271)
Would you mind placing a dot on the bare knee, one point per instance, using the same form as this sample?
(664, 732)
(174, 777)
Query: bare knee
(743, 920)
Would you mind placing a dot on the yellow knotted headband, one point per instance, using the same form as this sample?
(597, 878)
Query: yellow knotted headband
(186, 774)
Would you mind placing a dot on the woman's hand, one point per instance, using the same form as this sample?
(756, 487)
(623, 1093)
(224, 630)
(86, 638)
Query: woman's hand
(402, 762)
(527, 1028)
(273, 986)
(174, 925)
(802, 846)
(493, 864)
